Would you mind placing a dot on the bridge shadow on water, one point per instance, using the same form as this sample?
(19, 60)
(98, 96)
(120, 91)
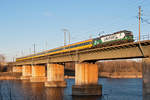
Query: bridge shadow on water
(113, 89)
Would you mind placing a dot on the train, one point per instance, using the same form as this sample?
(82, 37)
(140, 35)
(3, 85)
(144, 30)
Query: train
(116, 38)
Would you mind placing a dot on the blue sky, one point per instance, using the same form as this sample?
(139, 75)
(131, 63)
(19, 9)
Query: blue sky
(27, 22)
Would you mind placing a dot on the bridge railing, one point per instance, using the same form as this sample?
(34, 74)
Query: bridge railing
(142, 37)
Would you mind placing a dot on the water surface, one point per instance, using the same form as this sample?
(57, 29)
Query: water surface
(113, 89)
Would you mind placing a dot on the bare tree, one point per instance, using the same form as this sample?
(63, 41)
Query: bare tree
(120, 66)
(2, 62)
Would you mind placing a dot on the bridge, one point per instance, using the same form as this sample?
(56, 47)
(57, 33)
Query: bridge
(86, 69)
(124, 51)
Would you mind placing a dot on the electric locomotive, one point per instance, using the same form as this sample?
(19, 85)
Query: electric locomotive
(113, 39)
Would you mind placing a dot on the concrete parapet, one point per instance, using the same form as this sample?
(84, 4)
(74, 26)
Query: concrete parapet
(86, 80)
(55, 76)
(38, 73)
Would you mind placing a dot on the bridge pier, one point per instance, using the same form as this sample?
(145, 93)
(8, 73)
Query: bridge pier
(38, 73)
(55, 76)
(26, 71)
(86, 80)
(146, 78)
(17, 69)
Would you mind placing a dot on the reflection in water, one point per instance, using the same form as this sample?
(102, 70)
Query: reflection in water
(54, 93)
(85, 98)
(113, 89)
(37, 91)
(32, 91)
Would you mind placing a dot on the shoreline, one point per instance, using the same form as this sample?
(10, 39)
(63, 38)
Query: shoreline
(121, 75)
(17, 76)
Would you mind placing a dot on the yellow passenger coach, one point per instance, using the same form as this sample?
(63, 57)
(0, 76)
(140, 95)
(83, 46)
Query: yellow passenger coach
(71, 47)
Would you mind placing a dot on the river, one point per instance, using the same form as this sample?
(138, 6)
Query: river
(113, 89)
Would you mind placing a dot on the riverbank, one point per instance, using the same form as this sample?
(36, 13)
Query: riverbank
(121, 75)
(10, 76)
(16, 76)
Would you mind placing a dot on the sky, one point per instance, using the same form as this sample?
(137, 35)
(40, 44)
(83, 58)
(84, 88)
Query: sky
(24, 23)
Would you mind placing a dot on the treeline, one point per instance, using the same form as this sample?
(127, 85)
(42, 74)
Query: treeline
(120, 66)
(2, 63)
(120, 69)
(114, 66)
